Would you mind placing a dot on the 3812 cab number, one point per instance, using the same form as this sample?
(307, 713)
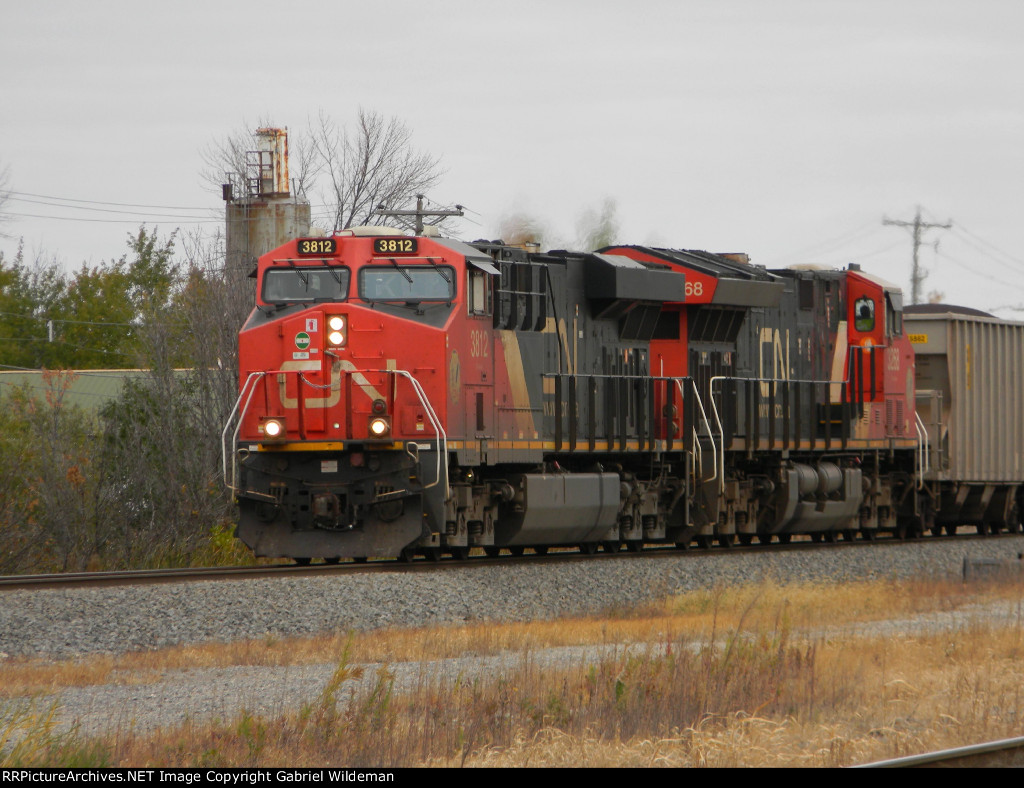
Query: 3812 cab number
(317, 246)
(394, 246)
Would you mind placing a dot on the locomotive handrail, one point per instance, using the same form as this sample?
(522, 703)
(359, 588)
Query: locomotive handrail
(718, 420)
(923, 449)
(707, 424)
(442, 436)
(253, 377)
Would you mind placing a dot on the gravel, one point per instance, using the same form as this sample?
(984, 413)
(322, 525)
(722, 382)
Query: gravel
(63, 623)
(68, 623)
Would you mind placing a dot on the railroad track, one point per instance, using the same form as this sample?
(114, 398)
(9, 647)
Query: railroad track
(992, 755)
(152, 576)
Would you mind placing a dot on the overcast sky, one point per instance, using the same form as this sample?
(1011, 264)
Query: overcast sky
(785, 129)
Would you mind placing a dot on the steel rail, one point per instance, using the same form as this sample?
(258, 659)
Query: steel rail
(557, 553)
(994, 754)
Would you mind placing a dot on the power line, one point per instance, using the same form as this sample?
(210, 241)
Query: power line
(104, 202)
(961, 231)
(822, 247)
(976, 271)
(105, 210)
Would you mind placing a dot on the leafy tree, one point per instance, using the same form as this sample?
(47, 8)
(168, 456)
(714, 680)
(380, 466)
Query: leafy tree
(92, 319)
(50, 491)
(28, 294)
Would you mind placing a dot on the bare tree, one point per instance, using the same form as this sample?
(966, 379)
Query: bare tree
(375, 165)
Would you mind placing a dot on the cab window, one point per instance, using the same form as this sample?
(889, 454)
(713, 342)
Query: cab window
(291, 285)
(864, 315)
(893, 317)
(479, 293)
(407, 283)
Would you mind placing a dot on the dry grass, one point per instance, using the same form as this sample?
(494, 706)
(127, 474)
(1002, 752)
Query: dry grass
(762, 675)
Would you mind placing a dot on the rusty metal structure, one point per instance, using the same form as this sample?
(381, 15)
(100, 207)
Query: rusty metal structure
(261, 211)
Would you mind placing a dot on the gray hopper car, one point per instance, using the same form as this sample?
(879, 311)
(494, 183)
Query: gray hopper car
(970, 399)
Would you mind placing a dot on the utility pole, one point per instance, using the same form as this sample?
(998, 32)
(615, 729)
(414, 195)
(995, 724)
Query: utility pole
(419, 213)
(917, 275)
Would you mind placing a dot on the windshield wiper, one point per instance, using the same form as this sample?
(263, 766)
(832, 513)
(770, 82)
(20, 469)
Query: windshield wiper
(443, 274)
(304, 278)
(401, 270)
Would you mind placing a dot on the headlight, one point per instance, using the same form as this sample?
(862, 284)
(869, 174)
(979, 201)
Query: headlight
(273, 429)
(379, 427)
(337, 327)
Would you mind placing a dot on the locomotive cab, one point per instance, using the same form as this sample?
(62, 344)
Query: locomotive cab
(340, 439)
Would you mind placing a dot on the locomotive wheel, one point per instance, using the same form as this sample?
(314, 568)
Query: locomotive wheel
(683, 545)
(936, 530)
(831, 537)
(517, 551)
(541, 550)
(764, 538)
(610, 547)
(588, 548)
(982, 529)
(460, 553)
(407, 555)
(869, 534)
(726, 540)
(360, 559)
(333, 560)
(492, 552)
(816, 537)
(432, 554)
(950, 530)
(785, 538)
(302, 561)
(849, 534)
(635, 545)
(705, 542)
(746, 539)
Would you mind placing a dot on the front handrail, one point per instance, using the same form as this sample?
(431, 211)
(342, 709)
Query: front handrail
(249, 389)
(250, 386)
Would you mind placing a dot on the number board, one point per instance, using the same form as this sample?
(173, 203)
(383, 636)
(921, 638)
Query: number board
(318, 246)
(395, 246)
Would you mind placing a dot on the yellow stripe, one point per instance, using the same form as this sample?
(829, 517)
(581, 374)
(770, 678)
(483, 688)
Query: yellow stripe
(582, 446)
(517, 382)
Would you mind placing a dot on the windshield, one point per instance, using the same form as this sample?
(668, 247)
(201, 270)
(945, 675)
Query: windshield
(288, 285)
(407, 283)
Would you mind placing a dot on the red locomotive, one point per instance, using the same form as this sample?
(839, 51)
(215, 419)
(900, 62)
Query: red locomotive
(404, 395)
